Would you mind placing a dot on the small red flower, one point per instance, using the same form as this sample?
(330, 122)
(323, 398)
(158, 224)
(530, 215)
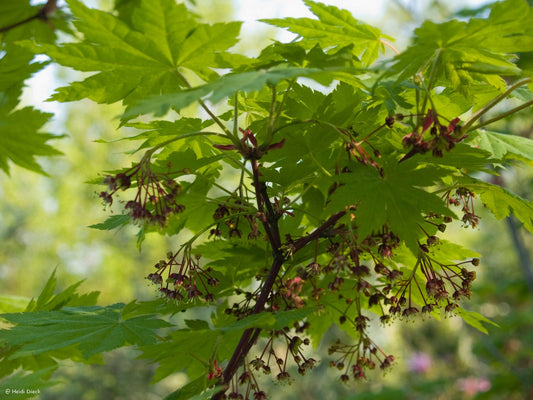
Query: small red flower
(215, 372)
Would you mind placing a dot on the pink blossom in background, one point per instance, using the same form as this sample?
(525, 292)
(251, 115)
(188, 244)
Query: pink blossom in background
(471, 386)
(419, 363)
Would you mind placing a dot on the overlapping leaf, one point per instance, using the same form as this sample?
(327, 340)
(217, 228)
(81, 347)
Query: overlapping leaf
(227, 85)
(15, 68)
(467, 51)
(335, 27)
(396, 200)
(134, 62)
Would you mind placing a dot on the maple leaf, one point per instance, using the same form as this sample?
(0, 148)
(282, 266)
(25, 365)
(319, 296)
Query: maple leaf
(143, 59)
(92, 329)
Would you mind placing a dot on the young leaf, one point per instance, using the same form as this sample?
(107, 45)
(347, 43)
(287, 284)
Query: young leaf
(47, 301)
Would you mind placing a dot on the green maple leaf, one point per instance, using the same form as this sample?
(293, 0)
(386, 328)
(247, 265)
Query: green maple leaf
(503, 146)
(134, 62)
(20, 140)
(192, 390)
(13, 11)
(229, 84)
(15, 68)
(91, 329)
(334, 27)
(471, 51)
(501, 202)
(112, 222)
(397, 200)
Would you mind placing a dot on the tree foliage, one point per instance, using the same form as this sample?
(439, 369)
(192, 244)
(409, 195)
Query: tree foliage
(348, 166)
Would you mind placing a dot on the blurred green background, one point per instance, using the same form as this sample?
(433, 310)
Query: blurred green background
(44, 224)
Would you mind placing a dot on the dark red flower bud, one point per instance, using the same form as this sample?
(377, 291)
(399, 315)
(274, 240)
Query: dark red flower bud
(278, 145)
(225, 146)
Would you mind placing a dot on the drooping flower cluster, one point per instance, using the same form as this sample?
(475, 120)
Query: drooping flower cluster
(437, 284)
(355, 359)
(184, 278)
(464, 198)
(283, 349)
(156, 197)
(229, 216)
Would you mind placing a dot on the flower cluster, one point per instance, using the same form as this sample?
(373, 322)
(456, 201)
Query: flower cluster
(287, 295)
(442, 285)
(229, 216)
(244, 307)
(441, 137)
(464, 198)
(429, 285)
(282, 348)
(156, 195)
(185, 279)
(355, 359)
(385, 240)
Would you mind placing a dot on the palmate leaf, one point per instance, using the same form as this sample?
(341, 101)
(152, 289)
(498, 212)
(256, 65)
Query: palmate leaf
(15, 68)
(396, 200)
(334, 27)
(143, 59)
(91, 329)
(471, 51)
(11, 12)
(48, 301)
(157, 132)
(503, 146)
(20, 140)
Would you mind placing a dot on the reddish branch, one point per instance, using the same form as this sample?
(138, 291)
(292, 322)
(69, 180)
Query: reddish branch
(43, 14)
(269, 219)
